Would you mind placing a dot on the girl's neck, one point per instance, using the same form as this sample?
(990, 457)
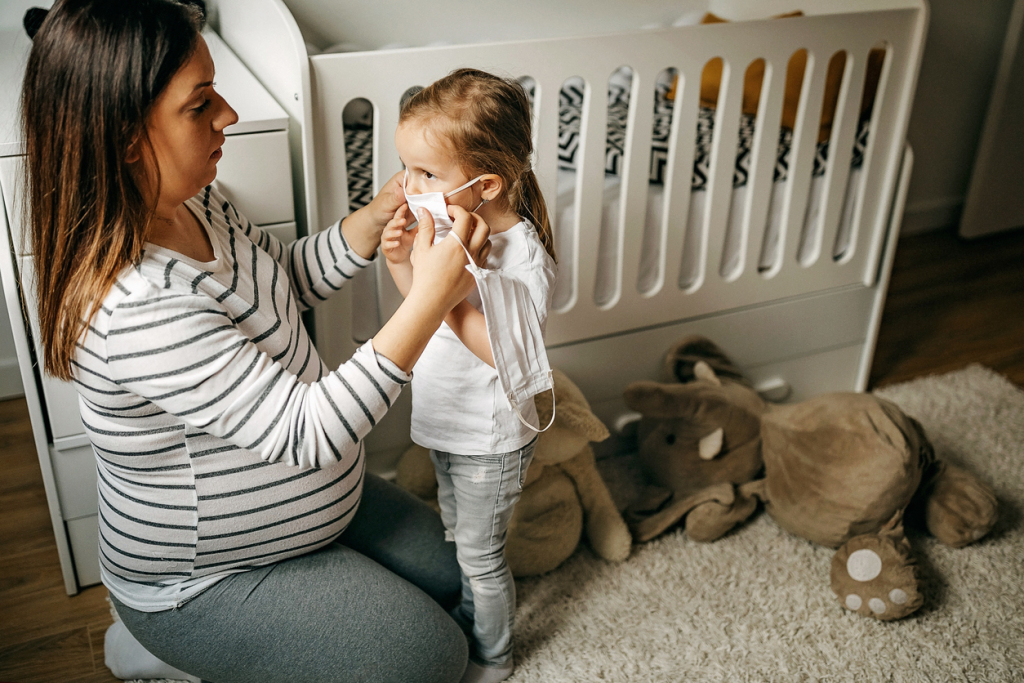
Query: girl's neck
(498, 220)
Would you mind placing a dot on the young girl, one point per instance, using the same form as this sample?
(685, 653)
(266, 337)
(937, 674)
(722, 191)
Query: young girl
(466, 139)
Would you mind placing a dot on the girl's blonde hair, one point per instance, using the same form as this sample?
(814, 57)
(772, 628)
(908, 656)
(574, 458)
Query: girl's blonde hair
(486, 121)
(95, 70)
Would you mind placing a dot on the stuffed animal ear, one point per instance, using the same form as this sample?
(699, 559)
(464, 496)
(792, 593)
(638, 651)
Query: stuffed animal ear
(703, 371)
(679, 363)
(580, 420)
(33, 19)
(674, 401)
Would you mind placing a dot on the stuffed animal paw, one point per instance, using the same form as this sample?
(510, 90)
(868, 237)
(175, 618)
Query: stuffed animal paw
(875, 575)
(959, 508)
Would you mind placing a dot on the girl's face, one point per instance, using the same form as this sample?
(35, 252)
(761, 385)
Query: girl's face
(186, 128)
(431, 167)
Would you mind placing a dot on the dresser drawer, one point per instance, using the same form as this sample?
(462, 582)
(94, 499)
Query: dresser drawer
(84, 539)
(61, 398)
(255, 174)
(74, 470)
(757, 337)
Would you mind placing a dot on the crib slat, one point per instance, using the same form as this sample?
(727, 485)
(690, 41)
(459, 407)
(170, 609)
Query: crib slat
(590, 186)
(679, 176)
(805, 138)
(545, 156)
(765, 153)
(386, 163)
(885, 144)
(635, 172)
(723, 162)
(840, 153)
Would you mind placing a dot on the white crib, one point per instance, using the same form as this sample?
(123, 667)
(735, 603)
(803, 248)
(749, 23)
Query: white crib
(639, 266)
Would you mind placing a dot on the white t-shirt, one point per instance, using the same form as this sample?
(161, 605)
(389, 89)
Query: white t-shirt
(457, 402)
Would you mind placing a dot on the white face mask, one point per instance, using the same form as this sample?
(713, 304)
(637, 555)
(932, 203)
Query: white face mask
(435, 203)
(517, 343)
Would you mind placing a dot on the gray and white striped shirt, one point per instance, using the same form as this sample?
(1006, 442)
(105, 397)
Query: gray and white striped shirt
(222, 441)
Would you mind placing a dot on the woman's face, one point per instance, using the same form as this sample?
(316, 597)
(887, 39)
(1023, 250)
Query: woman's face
(186, 130)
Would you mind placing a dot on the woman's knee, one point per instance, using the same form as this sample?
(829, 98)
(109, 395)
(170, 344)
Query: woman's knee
(443, 655)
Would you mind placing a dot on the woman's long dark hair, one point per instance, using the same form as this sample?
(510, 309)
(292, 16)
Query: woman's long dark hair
(95, 70)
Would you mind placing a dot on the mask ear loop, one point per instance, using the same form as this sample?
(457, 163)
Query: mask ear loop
(554, 409)
(511, 399)
(472, 267)
(462, 187)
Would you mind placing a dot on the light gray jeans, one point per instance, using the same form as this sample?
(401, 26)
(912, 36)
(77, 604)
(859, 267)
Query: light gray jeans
(370, 607)
(477, 494)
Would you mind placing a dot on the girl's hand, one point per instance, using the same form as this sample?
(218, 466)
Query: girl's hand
(396, 242)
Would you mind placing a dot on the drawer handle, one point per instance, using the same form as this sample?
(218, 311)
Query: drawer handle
(774, 389)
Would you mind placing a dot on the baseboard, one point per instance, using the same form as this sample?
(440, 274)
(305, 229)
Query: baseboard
(931, 214)
(10, 379)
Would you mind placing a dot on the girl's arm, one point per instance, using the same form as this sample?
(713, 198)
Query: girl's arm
(470, 326)
(401, 273)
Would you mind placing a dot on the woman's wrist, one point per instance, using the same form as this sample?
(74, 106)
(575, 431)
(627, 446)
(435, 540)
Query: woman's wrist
(362, 232)
(457, 314)
(403, 337)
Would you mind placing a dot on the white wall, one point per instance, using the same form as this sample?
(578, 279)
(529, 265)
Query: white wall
(964, 43)
(12, 11)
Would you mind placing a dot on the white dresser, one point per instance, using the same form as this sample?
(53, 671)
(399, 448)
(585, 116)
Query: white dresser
(255, 172)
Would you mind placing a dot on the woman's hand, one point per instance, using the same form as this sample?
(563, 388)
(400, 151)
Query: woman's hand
(396, 242)
(363, 228)
(477, 234)
(390, 198)
(470, 229)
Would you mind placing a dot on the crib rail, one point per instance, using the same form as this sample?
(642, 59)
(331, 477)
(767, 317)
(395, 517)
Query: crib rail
(382, 78)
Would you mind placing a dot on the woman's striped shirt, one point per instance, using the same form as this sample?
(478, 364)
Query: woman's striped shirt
(222, 440)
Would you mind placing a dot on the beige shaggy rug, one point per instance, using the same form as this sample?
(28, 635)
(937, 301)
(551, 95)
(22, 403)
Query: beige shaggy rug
(756, 605)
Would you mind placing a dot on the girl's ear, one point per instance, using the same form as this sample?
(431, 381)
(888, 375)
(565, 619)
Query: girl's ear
(492, 185)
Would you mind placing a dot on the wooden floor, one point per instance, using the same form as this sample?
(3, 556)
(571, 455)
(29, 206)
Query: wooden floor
(950, 303)
(953, 302)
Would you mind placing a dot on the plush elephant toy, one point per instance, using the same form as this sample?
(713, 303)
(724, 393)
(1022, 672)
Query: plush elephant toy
(563, 494)
(843, 470)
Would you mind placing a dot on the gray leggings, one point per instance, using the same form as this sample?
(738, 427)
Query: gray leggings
(372, 606)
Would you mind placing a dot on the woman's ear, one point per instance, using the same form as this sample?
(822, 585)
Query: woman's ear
(492, 186)
(133, 156)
